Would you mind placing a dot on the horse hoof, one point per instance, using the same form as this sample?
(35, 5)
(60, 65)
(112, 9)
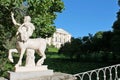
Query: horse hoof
(40, 62)
(17, 65)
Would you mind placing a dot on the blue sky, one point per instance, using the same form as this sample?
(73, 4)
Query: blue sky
(81, 17)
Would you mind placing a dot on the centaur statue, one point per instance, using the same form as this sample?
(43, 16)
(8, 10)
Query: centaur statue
(24, 41)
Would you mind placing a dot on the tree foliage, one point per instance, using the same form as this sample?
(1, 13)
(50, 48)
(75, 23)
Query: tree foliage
(119, 2)
(71, 48)
(43, 13)
(97, 45)
(116, 36)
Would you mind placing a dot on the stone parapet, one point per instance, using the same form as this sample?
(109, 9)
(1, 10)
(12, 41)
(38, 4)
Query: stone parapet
(55, 76)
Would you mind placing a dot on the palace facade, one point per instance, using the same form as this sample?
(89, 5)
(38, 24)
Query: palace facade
(60, 37)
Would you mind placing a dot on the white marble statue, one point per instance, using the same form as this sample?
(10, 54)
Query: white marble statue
(26, 29)
(24, 43)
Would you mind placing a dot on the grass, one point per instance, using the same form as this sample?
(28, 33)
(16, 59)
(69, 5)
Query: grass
(71, 66)
(52, 49)
(53, 53)
(61, 63)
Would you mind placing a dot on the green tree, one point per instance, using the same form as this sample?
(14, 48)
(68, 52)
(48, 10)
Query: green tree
(97, 41)
(86, 46)
(119, 2)
(115, 41)
(106, 41)
(71, 49)
(43, 13)
(102, 41)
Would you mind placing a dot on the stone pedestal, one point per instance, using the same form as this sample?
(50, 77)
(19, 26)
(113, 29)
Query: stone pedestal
(29, 75)
(28, 72)
(29, 68)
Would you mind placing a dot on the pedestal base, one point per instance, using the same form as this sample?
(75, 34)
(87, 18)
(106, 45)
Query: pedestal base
(28, 72)
(31, 68)
(29, 75)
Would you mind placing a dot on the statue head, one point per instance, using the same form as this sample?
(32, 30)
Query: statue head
(27, 19)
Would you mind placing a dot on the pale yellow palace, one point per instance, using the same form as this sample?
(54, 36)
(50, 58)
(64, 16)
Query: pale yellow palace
(60, 37)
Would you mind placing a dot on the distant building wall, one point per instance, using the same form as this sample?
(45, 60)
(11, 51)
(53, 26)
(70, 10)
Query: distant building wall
(59, 37)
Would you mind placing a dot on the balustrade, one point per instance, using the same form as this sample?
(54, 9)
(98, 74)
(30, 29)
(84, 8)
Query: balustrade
(105, 73)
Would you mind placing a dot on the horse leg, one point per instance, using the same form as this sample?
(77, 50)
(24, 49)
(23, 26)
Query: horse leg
(41, 61)
(10, 57)
(20, 59)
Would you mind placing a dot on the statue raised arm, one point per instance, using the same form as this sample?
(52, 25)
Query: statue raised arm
(13, 19)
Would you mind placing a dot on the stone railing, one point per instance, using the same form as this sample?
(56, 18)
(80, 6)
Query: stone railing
(105, 73)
